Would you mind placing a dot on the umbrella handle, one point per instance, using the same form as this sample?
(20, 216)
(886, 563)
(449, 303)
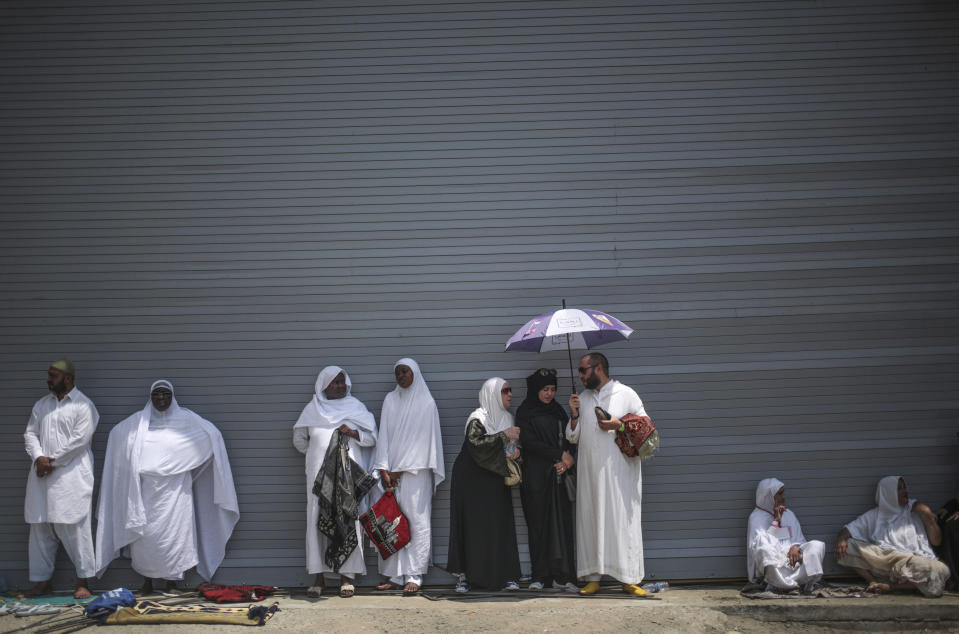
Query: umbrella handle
(569, 351)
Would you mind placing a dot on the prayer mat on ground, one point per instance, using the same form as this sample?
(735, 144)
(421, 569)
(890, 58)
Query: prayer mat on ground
(234, 594)
(821, 591)
(150, 612)
(52, 599)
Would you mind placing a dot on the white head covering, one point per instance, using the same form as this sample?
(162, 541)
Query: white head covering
(409, 436)
(331, 413)
(491, 413)
(766, 494)
(892, 526)
(154, 417)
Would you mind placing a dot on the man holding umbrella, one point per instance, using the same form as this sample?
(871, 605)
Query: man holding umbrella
(610, 487)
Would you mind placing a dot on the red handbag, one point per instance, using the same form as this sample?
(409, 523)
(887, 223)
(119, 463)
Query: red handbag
(638, 436)
(386, 525)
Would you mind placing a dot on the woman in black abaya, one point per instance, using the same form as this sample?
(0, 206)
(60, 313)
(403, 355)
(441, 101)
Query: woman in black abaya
(483, 550)
(546, 504)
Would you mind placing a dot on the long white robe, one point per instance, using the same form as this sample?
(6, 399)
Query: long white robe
(409, 441)
(311, 436)
(57, 506)
(60, 429)
(767, 546)
(609, 493)
(167, 497)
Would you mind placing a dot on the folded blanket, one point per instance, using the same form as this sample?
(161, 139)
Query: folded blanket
(150, 612)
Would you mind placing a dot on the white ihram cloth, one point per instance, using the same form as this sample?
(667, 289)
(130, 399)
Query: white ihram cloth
(167, 498)
(311, 436)
(409, 441)
(609, 490)
(890, 526)
(767, 546)
(57, 506)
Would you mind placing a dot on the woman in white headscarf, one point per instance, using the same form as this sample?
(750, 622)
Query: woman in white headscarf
(409, 460)
(776, 549)
(332, 409)
(890, 546)
(167, 498)
(482, 548)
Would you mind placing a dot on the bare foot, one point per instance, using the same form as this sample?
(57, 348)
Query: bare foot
(82, 591)
(878, 588)
(42, 588)
(410, 589)
(387, 585)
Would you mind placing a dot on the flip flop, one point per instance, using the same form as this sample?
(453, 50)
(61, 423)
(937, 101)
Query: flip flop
(347, 590)
(407, 592)
(38, 610)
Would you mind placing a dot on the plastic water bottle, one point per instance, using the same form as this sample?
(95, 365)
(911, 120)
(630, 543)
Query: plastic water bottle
(510, 447)
(656, 586)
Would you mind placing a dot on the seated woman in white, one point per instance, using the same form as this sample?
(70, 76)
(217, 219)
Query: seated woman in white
(890, 546)
(776, 550)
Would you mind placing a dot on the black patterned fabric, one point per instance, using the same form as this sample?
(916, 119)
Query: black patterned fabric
(340, 485)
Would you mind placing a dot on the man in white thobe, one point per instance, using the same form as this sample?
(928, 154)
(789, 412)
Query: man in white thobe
(777, 552)
(609, 493)
(409, 460)
(332, 409)
(167, 498)
(60, 482)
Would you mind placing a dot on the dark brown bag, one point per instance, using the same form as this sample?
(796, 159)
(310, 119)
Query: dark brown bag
(638, 437)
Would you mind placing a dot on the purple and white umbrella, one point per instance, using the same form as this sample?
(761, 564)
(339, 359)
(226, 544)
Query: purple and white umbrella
(568, 328)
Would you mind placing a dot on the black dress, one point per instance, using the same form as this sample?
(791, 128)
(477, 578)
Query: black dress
(546, 505)
(482, 528)
(948, 550)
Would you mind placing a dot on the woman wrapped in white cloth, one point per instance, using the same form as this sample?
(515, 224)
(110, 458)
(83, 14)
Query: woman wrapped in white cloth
(890, 546)
(167, 498)
(332, 408)
(409, 459)
(777, 552)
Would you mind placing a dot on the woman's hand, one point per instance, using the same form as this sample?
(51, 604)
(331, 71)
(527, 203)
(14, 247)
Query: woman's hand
(568, 460)
(349, 431)
(512, 433)
(778, 512)
(842, 548)
(794, 555)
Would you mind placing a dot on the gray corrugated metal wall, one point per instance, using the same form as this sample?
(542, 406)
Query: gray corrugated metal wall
(233, 194)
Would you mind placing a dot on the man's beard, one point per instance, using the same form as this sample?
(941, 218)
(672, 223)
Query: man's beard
(59, 387)
(592, 382)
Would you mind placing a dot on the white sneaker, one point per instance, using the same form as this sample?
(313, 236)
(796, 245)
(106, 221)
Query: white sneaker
(536, 585)
(511, 586)
(566, 587)
(462, 587)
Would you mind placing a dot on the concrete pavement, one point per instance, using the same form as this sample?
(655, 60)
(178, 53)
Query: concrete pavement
(705, 608)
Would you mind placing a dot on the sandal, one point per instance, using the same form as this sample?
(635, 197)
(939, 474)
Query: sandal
(410, 589)
(347, 590)
(314, 592)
